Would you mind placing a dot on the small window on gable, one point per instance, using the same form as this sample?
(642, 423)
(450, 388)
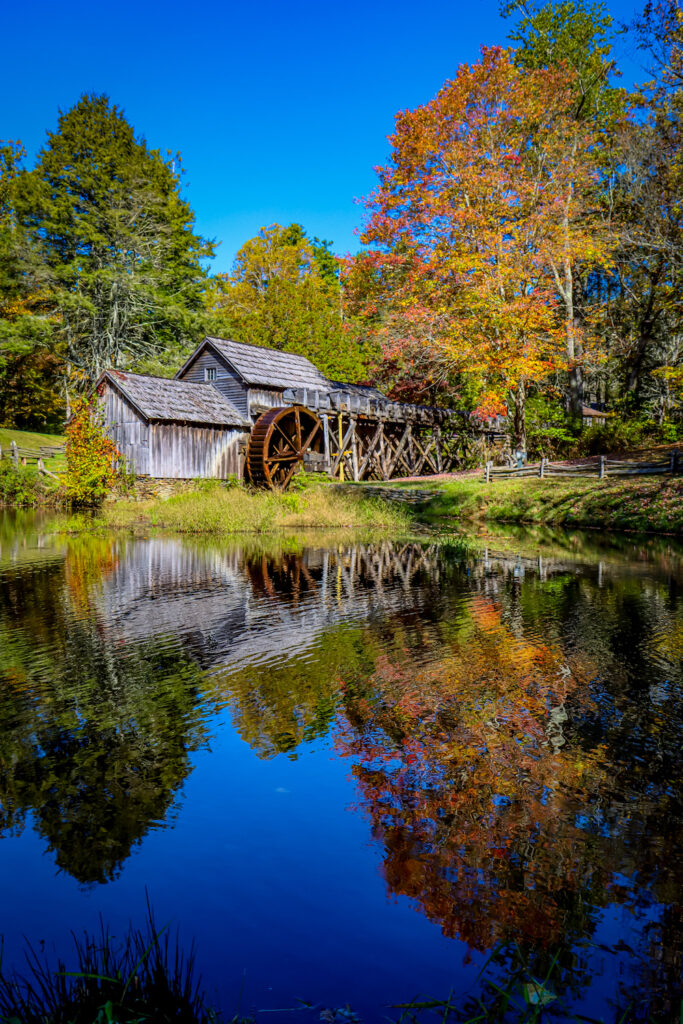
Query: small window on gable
(210, 373)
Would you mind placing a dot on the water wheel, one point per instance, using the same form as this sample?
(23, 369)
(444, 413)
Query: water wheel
(278, 443)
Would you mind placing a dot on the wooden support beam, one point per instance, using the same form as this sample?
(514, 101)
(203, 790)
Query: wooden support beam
(437, 438)
(340, 456)
(426, 457)
(326, 441)
(371, 456)
(397, 451)
(354, 451)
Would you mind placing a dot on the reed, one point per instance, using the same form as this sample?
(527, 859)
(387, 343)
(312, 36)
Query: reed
(146, 977)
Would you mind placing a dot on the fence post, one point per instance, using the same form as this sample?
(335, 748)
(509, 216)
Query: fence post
(603, 468)
(488, 473)
(541, 468)
(15, 453)
(673, 462)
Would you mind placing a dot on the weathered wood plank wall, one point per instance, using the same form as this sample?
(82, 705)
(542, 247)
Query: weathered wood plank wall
(183, 451)
(128, 431)
(179, 451)
(227, 381)
(261, 399)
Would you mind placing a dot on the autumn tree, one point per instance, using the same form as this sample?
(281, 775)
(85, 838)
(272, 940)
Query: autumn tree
(578, 34)
(117, 240)
(484, 202)
(645, 318)
(284, 293)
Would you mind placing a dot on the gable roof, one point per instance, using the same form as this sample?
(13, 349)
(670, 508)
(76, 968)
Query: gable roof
(159, 398)
(267, 367)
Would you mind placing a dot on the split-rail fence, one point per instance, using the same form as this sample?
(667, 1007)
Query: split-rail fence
(671, 463)
(24, 455)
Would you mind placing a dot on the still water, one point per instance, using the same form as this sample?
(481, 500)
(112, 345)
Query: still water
(350, 770)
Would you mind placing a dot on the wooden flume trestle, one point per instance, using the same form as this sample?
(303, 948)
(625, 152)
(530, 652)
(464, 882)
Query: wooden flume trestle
(350, 437)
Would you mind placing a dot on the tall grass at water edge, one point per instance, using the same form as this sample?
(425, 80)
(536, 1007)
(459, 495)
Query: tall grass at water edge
(211, 507)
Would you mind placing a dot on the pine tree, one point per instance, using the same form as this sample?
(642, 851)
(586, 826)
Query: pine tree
(117, 240)
(31, 394)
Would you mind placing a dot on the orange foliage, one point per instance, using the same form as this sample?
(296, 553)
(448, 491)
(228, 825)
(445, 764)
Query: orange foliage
(474, 222)
(472, 787)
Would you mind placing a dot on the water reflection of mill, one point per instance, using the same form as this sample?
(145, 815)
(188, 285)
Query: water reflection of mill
(232, 609)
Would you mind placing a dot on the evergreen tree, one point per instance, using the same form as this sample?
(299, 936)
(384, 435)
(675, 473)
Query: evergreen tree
(30, 367)
(117, 239)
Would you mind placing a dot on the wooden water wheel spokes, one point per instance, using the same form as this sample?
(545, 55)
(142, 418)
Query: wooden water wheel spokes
(278, 443)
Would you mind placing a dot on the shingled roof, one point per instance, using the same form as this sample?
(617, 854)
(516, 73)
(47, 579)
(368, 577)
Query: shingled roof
(269, 368)
(178, 401)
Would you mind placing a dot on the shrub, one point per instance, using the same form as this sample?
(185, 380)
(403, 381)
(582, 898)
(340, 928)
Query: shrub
(620, 435)
(549, 432)
(92, 458)
(23, 485)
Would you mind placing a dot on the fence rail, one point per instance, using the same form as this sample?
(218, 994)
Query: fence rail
(603, 467)
(19, 454)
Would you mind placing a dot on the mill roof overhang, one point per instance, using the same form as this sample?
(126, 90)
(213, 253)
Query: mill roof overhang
(175, 401)
(264, 367)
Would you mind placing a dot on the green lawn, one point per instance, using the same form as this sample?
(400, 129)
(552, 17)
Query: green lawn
(651, 504)
(29, 439)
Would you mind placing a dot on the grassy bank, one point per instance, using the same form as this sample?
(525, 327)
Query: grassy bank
(214, 508)
(647, 504)
(24, 486)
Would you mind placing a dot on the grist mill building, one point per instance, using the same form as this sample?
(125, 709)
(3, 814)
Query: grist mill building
(241, 410)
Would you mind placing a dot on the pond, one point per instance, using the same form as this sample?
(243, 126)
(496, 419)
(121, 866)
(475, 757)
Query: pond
(350, 770)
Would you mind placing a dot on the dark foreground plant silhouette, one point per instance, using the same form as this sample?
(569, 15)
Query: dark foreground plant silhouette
(145, 977)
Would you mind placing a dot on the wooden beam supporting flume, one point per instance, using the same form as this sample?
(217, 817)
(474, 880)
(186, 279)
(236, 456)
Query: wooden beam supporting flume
(367, 447)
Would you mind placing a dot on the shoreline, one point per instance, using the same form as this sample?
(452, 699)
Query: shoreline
(652, 506)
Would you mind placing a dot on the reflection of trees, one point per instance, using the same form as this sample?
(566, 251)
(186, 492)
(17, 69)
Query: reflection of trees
(515, 727)
(315, 598)
(528, 773)
(96, 737)
(465, 772)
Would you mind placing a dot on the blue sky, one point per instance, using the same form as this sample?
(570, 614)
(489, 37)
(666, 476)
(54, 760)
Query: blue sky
(279, 109)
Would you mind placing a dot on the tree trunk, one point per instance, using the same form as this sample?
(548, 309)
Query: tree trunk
(518, 402)
(574, 352)
(574, 348)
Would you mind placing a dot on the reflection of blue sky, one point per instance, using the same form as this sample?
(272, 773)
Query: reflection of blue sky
(268, 864)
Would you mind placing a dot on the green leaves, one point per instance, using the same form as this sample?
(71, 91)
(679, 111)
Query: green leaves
(116, 240)
(284, 293)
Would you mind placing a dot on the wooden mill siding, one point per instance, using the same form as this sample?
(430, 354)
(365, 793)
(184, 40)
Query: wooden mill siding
(227, 382)
(261, 399)
(180, 451)
(189, 426)
(128, 430)
(185, 451)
